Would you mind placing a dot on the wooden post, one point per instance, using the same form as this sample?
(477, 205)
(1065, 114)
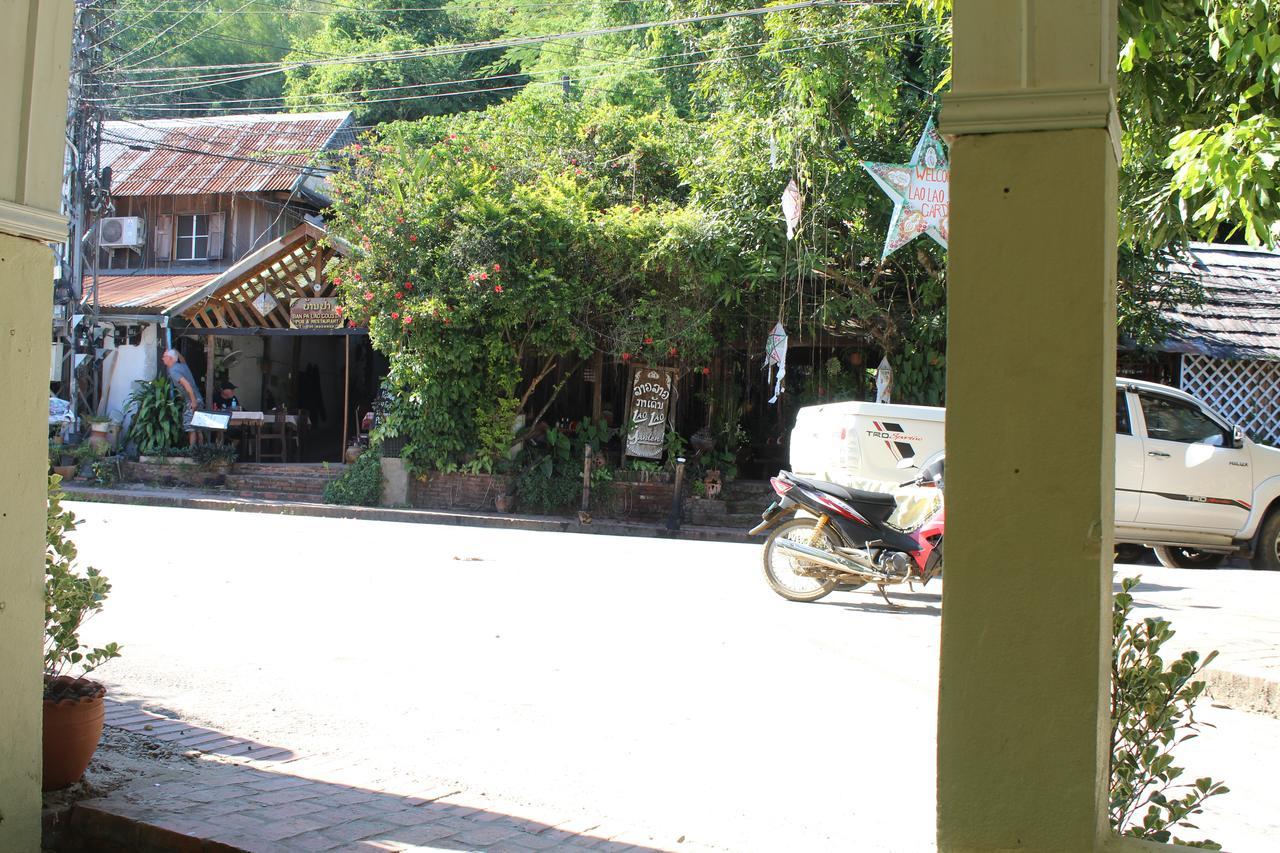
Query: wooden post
(210, 344)
(586, 478)
(597, 391)
(346, 393)
(677, 498)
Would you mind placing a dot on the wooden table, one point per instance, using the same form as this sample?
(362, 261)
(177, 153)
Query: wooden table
(251, 423)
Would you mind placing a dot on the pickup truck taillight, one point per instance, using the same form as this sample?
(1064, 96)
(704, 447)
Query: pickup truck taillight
(780, 486)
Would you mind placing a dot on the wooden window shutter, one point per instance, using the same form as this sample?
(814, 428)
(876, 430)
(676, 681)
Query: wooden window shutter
(164, 237)
(216, 239)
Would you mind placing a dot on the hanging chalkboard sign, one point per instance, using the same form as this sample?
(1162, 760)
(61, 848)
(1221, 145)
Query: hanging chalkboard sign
(647, 414)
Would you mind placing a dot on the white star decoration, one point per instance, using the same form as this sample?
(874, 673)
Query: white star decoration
(920, 191)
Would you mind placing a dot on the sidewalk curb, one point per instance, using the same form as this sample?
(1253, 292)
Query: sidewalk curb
(189, 500)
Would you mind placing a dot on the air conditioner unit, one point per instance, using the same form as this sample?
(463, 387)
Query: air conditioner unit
(122, 232)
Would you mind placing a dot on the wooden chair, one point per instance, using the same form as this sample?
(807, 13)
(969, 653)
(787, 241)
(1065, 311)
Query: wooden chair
(275, 428)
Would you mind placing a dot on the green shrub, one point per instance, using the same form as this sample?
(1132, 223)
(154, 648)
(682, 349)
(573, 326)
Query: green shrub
(157, 416)
(360, 484)
(1152, 711)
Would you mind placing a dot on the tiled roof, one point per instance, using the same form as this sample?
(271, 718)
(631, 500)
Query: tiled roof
(220, 154)
(1240, 317)
(143, 294)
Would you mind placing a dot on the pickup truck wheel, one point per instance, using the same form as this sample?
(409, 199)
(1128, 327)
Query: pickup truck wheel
(1267, 556)
(1187, 558)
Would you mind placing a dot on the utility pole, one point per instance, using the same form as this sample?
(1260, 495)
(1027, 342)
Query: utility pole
(86, 193)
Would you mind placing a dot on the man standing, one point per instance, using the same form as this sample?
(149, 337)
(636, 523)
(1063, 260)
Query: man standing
(180, 376)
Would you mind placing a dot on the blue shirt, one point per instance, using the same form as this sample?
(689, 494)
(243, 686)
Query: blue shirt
(181, 371)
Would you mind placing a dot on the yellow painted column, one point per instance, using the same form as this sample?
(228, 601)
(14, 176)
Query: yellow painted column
(1022, 716)
(34, 47)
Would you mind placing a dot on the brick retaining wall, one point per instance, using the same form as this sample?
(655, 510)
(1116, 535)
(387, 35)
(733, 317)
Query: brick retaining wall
(172, 474)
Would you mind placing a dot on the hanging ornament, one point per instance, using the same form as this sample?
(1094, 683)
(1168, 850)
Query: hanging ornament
(884, 381)
(792, 205)
(775, 353)
(920, 191)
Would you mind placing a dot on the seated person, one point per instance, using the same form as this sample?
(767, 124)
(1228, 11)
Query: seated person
(225, 400)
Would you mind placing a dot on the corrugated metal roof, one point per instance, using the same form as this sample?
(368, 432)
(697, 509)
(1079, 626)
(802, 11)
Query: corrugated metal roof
(144, 293)
(219, 154)
(1240, 317)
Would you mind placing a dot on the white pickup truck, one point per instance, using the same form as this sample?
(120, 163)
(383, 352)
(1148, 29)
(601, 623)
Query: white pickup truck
(1188, 484)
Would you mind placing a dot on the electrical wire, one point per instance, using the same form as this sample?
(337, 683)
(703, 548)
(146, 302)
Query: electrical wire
(861, 36)
(462, 81)
(469, 47)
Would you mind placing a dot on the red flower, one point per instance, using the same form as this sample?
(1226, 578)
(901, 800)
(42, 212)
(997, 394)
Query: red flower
(413, 238)
(497, 268)
(395, 315)
(358, 278)
(706, 371)
(408, 285)
(493, 168)
(407, 319)
(399, 295)
(368, 296)
(626, 356)
(337, 282)
(340, 310)
(648, 340)
(466, 149)
(671, 351)
(497, 288)
(446, 321)
(484, 276)
(400, 219)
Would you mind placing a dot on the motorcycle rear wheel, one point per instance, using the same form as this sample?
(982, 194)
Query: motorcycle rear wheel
(780, 569)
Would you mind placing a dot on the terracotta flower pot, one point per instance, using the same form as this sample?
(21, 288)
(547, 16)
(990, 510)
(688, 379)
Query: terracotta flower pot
(72, 728)
(66, 472)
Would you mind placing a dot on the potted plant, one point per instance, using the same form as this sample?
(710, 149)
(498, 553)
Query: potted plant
(99, 433)
(157, 416)
(62, 460)
(73, 711)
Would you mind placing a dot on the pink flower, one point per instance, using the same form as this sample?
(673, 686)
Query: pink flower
(368, 296)
(340, 310)
(395, 315)
(408, 285)
(626, 356)
(407, 319)
(484, 276)
(497, 288)
(706, 371)
(648, 340)
(337, 282)
(671, 351)
(399, 295)
(497, 268)
(413, 238)
(357, 277)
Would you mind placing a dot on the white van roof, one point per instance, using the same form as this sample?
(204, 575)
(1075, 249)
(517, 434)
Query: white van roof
(876, 410)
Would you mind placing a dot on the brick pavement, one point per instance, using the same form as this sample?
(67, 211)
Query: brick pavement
(255, 797)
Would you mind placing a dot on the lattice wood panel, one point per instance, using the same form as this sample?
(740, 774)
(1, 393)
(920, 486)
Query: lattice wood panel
(1245, 392)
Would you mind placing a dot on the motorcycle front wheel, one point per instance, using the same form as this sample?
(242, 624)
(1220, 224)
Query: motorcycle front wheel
(781, 570)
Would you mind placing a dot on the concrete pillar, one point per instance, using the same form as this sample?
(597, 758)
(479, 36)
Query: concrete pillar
(1022, 717)
(34, 46)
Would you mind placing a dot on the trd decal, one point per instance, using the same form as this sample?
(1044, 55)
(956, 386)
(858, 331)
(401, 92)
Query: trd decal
(1196, 499)
(898, 442)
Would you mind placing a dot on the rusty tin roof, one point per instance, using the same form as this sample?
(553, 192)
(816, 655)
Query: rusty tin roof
(144, 294)
(220, 154)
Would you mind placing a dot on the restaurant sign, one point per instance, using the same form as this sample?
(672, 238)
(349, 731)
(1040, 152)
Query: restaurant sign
(315, 312)
(650, 404)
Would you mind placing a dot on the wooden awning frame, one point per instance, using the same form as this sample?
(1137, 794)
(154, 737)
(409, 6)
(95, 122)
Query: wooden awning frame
(289, 268)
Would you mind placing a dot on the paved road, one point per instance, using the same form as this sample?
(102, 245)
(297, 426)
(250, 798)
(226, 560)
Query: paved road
(655, 684)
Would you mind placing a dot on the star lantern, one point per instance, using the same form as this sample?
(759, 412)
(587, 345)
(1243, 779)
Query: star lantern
(920, 191)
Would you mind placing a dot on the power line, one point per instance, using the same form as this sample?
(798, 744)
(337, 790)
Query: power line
(629, 60)
(434, 95)
(447, 50)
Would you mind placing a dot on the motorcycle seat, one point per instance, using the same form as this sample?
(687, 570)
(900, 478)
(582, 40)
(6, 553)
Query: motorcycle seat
(847, 494)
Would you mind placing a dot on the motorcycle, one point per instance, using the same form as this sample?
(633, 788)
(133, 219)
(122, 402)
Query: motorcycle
(840, 538)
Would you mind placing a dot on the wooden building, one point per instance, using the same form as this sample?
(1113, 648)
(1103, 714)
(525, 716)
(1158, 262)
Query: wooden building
(216, 231)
